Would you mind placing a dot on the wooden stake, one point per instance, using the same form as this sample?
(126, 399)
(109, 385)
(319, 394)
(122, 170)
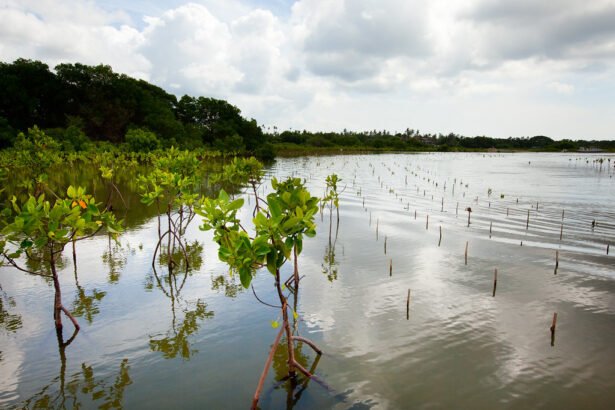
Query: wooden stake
(427, 223)
(490, 228)
(391, 267)
(415, 214)
(377, 224)
(466, 252)
(527, 223)
(442, 209)
(408, 306)
(506, 211)
(556, 262)
(456, 208)
(495, 281)
(561, 231)
(608, 245)
(385, 244)
(440, 241)
(552, 328)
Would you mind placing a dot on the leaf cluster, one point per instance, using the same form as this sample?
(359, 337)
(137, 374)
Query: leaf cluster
(278, 229)
(41, 224)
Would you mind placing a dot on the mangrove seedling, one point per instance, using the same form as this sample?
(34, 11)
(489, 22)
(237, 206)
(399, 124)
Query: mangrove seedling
(278, 232)
(43, 227)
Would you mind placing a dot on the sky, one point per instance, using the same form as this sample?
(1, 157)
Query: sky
(472, 67)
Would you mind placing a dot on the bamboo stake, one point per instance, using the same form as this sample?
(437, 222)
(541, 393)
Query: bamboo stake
(385, 244)
(527, 223)
(440, 240)
(427, 223)
(556, 262)
(608, 245)
(442, 209)
(466, 252)
(561, 231)
(495, 281)
(490, 228)
(456, 208)
(391, 267)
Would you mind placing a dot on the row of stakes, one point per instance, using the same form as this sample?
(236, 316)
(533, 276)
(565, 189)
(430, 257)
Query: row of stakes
(469, 210)
(495, 273)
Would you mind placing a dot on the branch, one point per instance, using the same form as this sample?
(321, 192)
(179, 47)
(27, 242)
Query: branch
(264, 303)
(14, 264)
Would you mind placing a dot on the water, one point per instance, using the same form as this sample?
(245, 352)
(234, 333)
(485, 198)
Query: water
(204, 343)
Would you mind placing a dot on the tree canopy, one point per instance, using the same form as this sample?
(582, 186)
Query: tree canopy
(107, 105)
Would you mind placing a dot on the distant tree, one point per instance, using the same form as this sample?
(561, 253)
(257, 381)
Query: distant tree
(141, 140)
(31, 95)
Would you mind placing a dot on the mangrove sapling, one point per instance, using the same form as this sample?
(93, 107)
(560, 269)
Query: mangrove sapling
(172, 187)
(243, 171)
(332, 199)
(45, 228)
(279, 230)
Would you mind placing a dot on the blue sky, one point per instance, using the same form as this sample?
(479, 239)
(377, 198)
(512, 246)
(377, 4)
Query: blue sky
(475, 67)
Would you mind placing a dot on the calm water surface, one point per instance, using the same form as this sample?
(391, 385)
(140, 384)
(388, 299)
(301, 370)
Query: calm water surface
(201, 341)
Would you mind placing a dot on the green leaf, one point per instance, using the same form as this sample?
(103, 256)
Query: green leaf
(236, 204)
(223, 195)
(245, 275)
(291, 223)
(274, 206)
(271, 261)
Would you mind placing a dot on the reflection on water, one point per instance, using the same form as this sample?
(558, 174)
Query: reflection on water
(176, 340)
(10, 322)
(82, 387)
(115, 259)
(460, 347)
(226, 284)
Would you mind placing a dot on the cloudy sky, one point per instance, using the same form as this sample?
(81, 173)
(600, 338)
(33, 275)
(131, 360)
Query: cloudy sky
(475, 67)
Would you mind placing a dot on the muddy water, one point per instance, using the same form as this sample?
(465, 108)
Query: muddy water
(199, 340)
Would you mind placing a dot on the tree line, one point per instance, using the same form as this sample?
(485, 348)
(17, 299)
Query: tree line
(414, 140)
(80, 106)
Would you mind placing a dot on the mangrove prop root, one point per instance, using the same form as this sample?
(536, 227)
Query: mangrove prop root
(309, 343)
(261, 381)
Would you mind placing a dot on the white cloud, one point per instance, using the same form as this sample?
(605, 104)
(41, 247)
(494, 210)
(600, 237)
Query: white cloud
(333, 64)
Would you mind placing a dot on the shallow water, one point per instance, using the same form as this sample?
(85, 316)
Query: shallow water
(203, 342)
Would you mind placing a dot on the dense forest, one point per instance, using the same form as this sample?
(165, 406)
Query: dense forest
(82, 106)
